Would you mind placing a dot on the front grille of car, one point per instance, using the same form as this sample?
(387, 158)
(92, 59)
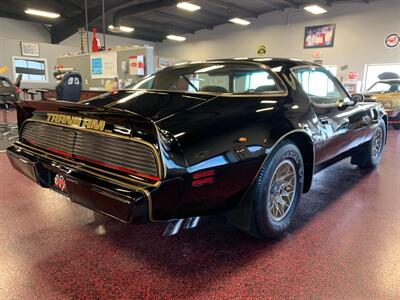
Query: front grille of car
(115, 153)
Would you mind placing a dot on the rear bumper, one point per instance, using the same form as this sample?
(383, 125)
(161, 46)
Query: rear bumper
(122, 201)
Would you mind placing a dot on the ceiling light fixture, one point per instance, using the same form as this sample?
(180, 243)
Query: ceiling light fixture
(42, 13)
(120, 29)
(188, 6)
(126, 28)
(315, 9)
(176, 38)
(239, 21)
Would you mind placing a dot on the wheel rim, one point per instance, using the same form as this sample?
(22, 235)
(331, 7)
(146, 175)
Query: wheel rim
(378, 143)
(282, 190)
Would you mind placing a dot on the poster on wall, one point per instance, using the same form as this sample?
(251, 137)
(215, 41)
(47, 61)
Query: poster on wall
(103, 65)
(163, 62)
(30, 49)
(136, 65)
(320, 36)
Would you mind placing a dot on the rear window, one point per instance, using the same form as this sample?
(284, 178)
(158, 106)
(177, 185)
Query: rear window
(213, 78)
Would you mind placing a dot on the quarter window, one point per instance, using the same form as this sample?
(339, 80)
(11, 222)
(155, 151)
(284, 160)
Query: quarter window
(318, 84)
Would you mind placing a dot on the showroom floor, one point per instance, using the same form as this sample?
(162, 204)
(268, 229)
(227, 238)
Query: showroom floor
(344, 245)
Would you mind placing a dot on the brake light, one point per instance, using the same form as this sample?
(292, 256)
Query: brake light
(203, 177)
(203, 174)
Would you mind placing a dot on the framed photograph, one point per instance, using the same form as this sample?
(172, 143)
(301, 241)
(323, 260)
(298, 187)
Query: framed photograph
(320, 36)
(30, 49)
(163, 62)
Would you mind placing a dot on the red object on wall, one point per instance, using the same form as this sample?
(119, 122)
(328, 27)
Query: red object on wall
(95, 46)
(353, 75)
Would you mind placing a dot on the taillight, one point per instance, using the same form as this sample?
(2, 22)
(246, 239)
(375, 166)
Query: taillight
(203, 177)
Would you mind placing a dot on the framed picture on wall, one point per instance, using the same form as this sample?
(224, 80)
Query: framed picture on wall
(320, 36)
(30, 49)
(163, 62)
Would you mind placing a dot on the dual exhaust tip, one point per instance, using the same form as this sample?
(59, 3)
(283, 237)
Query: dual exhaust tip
(174, 226)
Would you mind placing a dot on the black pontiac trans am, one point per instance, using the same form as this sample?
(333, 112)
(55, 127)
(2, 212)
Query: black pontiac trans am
(241, 138)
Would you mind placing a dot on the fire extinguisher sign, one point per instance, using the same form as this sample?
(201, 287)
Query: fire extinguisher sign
(136, 65)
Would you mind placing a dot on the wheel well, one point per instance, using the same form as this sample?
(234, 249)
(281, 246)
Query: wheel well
(305, 145)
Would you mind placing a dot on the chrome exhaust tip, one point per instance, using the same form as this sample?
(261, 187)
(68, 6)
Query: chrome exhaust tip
(191, 223)
(173, 227)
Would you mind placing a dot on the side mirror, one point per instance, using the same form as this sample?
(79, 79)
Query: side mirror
(357, 98)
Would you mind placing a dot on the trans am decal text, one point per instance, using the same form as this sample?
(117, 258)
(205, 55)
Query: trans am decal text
(87, 123)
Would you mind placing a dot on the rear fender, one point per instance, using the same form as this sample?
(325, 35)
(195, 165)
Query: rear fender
(241, 216)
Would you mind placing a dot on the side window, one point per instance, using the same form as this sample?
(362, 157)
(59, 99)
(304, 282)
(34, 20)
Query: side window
(319, 86)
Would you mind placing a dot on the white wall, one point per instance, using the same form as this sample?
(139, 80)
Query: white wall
(12, 47)
(12, 32)
(360, 33)
(25, 31)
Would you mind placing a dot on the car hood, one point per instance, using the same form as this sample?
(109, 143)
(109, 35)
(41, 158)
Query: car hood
(382, 96)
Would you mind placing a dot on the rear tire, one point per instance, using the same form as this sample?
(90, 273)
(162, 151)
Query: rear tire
(277, 191)
(371, 155)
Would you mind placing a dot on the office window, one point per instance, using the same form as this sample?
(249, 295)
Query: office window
(332, 69)
(32, 69)
(374, 73)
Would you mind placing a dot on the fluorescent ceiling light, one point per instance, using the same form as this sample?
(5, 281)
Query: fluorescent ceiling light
(239, 21)
(315, 9)
(188, 6)
(241, 58)
(126, 28)
(42, 13)
(119, 29)
(176, 38)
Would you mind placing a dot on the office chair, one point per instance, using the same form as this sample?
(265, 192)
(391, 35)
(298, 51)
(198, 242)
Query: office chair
(70, 87)
(8, 97)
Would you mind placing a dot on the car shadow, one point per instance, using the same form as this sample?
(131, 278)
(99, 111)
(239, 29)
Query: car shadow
(192, 260)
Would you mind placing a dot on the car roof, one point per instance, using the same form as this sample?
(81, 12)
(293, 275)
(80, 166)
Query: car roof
(395, 80)
(271, 62)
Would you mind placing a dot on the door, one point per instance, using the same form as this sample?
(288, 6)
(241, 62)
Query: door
(343, 125)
